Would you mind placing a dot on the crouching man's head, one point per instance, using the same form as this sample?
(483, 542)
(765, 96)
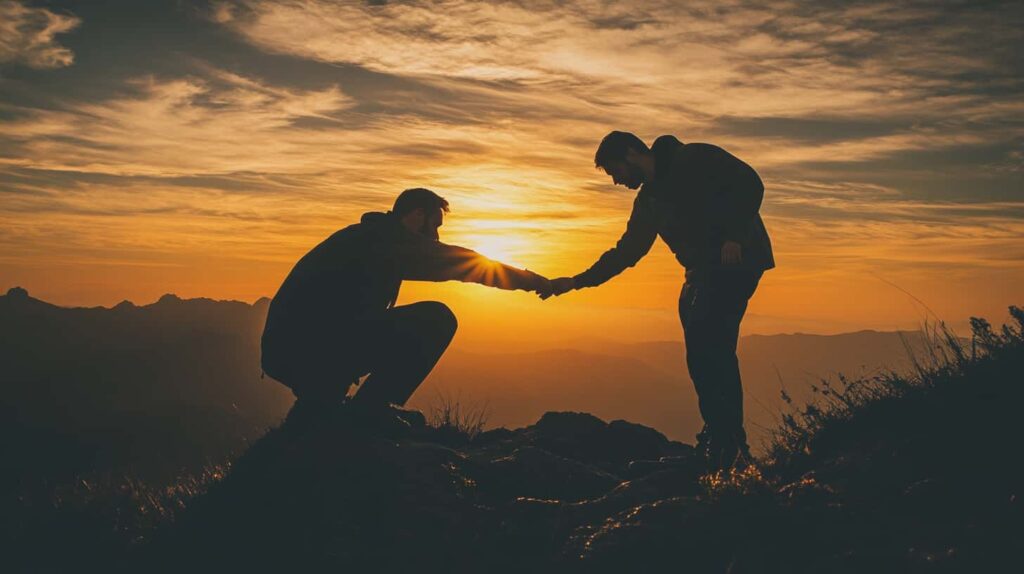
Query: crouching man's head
(421, 211)
(626, 158)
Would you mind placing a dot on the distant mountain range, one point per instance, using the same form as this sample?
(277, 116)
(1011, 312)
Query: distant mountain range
(648, 382)
(181, 378)
(165, 385)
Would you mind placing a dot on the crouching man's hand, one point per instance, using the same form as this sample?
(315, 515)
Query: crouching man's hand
(540, 285)
(559, 286)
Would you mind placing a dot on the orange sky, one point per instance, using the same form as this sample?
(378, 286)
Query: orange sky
(210, 146)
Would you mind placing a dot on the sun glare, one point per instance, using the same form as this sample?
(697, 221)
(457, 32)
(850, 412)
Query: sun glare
(506, 249)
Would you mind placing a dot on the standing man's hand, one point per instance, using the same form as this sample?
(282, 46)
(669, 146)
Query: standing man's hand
(559, 286)
(732, 253)
(542, 286)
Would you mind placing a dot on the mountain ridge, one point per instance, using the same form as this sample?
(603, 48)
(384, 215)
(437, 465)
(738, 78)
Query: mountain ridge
(206, 352)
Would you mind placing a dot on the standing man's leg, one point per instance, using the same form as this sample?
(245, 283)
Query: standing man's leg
(735, 287)
(711, 307)
(403, 346)
(693, 314)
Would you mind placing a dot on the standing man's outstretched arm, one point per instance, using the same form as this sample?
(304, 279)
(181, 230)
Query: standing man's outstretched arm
(635, 242)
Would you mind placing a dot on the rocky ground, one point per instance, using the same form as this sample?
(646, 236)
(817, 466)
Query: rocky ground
(339, 493)
(873, 478)
(562, 495)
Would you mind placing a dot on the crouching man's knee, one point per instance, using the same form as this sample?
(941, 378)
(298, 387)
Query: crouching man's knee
(437, 318)
(440, 318)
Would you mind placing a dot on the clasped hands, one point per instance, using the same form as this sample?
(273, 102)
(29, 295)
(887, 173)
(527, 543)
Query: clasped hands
(732, 254)
(545, 287)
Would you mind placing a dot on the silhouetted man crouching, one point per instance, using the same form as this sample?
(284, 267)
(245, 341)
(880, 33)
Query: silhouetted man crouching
(703, 202)
(334, 318)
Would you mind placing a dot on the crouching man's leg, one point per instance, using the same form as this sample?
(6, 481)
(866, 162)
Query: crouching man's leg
(404, 345)
(306, 362)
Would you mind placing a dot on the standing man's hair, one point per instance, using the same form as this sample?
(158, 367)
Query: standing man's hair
(418, 198)
(614, 146)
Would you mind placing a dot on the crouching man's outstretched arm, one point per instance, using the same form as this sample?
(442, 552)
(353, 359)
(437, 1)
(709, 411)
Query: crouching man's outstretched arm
(424, 259)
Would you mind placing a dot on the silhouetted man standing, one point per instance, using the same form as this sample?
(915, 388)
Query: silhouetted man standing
(704, 203)
(334, 318)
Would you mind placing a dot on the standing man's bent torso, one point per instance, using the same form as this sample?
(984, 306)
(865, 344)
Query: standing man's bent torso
(701, 197)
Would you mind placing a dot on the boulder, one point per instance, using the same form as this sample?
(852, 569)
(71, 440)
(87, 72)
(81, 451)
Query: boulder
(611, 446)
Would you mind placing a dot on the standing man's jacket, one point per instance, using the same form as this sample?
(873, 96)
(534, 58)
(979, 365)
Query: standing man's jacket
(701, 197)
(356, 273)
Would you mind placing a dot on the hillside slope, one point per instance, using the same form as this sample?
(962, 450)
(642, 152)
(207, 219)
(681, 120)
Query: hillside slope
(874, 478)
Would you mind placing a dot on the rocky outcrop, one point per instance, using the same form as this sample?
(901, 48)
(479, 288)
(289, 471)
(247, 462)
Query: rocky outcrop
(350, 491)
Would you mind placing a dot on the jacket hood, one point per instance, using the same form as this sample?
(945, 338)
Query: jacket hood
(662, 148)
(375, 217)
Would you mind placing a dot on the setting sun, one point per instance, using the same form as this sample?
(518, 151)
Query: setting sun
(507, 249)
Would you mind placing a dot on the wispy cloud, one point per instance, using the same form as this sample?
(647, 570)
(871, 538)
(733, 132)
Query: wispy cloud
(173, 126)
(28, 35)
(736, 57)
(784, 83)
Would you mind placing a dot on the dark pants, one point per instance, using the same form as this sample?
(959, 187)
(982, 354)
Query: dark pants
(711, 307)
(397, 348)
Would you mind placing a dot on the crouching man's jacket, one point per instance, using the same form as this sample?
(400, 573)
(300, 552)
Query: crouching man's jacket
(357, 272)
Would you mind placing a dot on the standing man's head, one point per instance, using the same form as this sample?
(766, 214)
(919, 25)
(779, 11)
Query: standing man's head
(421, 211)
(626, 158)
